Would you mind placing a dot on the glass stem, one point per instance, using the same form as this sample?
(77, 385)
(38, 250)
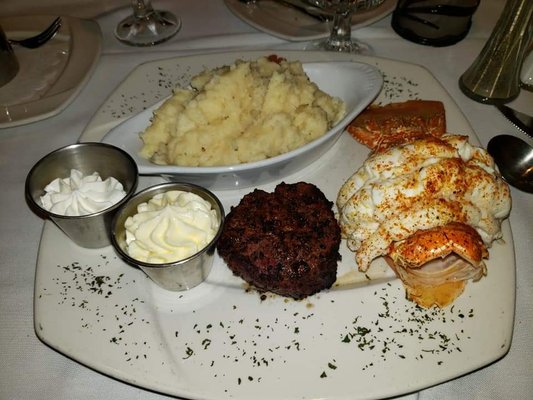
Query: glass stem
(341, 32)
(141, 8)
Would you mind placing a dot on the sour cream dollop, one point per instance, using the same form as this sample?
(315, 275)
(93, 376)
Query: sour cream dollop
(79, 195)
(170, 227)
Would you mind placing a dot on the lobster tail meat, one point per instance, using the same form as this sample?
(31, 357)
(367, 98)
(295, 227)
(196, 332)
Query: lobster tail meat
(431, 207)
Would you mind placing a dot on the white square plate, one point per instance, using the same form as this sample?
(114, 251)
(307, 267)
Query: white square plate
(359, 340)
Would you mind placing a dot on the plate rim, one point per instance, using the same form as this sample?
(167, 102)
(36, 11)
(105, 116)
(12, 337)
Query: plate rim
(165, 389)
(239, 9)
(85, 48)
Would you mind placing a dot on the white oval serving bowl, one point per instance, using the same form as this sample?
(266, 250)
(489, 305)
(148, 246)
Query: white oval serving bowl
(357, 84)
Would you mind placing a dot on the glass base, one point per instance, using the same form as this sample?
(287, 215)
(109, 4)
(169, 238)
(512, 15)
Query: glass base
(154, 28)
(486, 98)
(350, 46)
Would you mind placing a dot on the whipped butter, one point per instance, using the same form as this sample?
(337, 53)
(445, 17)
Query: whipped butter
(79, 195)
(170, 227)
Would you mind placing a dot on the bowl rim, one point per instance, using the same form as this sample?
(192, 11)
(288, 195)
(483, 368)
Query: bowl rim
(129, 193)
(371, 73)
(163, 188)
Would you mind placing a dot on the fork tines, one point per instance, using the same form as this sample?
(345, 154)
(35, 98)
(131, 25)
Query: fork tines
(41, 38)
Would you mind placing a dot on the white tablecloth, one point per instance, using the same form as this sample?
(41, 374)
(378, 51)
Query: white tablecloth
(31, 370)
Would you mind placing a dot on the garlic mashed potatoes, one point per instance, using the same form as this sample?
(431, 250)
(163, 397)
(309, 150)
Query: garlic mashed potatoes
(249, 111)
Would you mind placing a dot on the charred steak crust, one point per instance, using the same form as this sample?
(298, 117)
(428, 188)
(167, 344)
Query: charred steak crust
(286, 242)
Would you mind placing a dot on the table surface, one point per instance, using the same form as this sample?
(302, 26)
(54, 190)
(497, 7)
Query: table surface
(29, 369)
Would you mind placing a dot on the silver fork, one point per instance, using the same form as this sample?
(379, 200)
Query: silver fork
(40, 39)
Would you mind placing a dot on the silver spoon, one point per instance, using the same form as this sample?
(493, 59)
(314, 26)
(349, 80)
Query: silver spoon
(514, 158)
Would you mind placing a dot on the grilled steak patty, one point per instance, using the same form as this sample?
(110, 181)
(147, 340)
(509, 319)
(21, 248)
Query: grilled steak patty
(286, 242)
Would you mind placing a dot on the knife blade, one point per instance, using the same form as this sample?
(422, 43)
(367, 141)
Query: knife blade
(522, 121)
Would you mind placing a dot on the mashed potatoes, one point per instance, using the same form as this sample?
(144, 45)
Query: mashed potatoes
(245, 112)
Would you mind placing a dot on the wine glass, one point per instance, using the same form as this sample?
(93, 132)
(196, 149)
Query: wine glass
(340, 38)
(146, 26)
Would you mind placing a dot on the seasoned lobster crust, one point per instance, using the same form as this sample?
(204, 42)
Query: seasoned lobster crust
(439, 242)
